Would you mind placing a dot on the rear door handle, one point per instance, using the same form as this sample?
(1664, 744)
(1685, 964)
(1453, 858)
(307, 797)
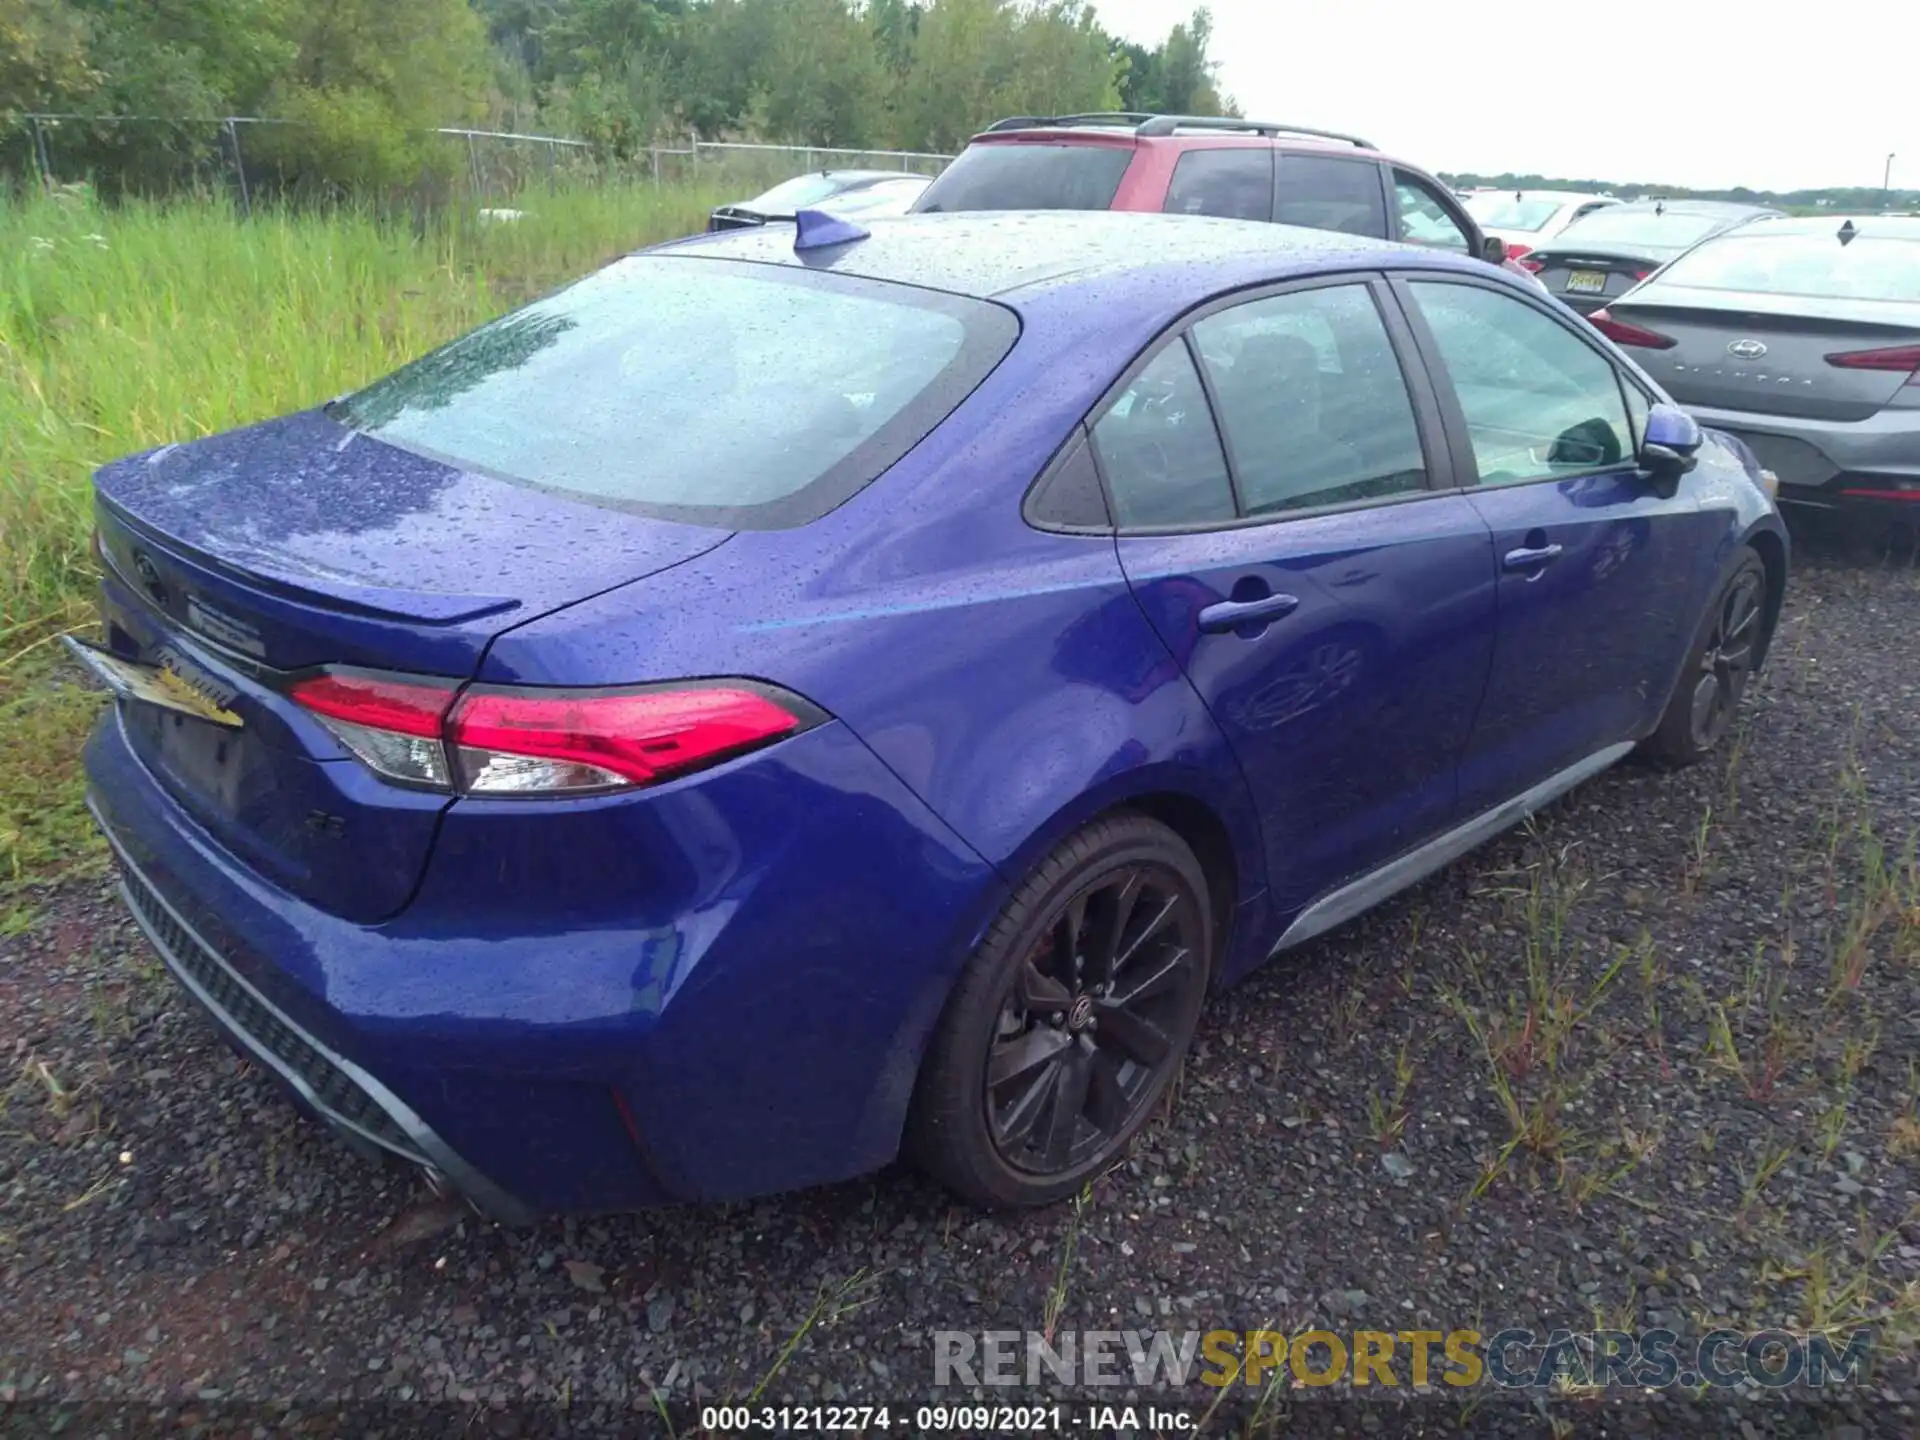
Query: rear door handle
(1530, 558)
(1232, 614)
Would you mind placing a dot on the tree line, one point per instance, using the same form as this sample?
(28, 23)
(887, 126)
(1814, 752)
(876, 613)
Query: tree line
(1842, 199)
(366, 79)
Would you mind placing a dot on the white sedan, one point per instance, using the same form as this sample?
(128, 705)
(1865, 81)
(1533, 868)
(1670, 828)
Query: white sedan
(1526, 219)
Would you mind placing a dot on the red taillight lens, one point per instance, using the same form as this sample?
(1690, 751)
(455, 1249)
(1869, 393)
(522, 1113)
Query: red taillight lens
(392, 725)
(520, 740)
(1641, 274)
(496, 741)
(1621, 333)
(1902, 359)
(1517, 248)
(379, 701)
(1536, 266)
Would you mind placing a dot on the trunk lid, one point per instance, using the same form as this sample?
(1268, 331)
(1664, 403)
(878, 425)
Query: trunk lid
(235, 560)
(1753, 352)
(1587, 278)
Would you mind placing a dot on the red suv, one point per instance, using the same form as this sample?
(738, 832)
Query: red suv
(1187, 165)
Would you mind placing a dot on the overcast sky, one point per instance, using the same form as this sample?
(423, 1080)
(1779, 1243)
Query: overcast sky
(1705, 93)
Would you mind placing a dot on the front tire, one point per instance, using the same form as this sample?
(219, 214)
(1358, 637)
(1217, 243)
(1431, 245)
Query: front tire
(1701, 709)
(1070, 1021)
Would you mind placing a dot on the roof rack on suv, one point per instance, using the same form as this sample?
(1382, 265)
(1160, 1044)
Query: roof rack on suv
(1151, 125)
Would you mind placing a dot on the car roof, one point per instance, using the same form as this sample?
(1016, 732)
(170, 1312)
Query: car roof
(1900, 227)
(1170, 131)
(996, 254)
(1696, 207)
(1564, 196)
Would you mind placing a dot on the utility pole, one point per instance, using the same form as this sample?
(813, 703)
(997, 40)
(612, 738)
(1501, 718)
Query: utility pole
(1886, 184)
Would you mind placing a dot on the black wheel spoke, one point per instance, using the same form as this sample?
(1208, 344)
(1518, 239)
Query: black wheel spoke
(1139, 1038)
(1106, 1097)
(1018, 1120)
(1153, 929)
(1040, 992)
(1070, 934)
(1153, 985)
(1106, 960)
(1069, 1100)
(1023, 1053)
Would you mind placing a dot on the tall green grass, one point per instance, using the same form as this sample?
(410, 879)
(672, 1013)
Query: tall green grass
(129, 327)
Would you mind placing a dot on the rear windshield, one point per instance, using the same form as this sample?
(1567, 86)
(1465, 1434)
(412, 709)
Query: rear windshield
(798, 193)
(1614, 226)
(1024, 176)
(1504, 212)
(750, 396)
(1871, 267)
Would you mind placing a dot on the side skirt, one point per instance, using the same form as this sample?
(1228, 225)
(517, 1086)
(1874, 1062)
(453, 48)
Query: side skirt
(1369, 890)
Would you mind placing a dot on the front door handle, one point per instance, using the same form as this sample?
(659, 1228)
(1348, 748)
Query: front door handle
(1232, 614)
(1530, 557)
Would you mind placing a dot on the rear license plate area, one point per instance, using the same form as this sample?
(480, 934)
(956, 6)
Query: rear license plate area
(1587, 282)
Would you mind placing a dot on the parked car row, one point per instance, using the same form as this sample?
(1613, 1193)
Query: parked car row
(1802, 337)
(807, 694)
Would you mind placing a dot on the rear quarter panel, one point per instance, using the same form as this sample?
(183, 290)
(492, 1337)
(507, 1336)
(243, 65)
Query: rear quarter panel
(1005, 674)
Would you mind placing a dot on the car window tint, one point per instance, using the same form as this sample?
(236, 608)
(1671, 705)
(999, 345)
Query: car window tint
(1312, 400)
(704, 390)
(1236, 184)
(1325, 193)
(1020, 175)
(1539, 401)
(1160, 452)
(1423, 219)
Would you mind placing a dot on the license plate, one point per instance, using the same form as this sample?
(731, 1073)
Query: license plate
(1587, 282)
(168, 686)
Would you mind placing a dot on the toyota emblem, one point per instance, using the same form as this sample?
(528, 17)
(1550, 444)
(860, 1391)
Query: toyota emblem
(1746, 349)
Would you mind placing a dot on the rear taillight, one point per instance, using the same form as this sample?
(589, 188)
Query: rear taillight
(1535, 266)
(1621, 333)
(1516, 248)
(511, 741)
(1902, 359)
(393, 725)
(489, 740)
(1641, 274)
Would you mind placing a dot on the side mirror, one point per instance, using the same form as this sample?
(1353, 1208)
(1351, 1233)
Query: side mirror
(1671, 447)
(1494, 250)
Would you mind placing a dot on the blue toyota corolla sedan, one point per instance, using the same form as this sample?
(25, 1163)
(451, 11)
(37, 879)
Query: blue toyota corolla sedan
(803, 696)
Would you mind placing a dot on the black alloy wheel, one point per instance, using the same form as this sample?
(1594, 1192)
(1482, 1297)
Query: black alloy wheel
(1090, 1021)
(1720, 677)
(1070, 1021)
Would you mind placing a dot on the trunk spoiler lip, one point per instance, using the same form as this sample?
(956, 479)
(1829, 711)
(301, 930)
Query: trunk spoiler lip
(308, 587)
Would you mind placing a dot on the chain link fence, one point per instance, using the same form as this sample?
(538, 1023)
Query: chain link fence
(240, 156)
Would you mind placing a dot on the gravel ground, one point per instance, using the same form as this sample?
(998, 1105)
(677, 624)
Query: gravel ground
(1655, 1061)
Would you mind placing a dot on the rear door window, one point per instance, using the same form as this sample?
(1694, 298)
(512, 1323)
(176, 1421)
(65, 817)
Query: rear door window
(1236, 183)
(1326, 192)
(1424, 217)
(1312, 400)
(695, 389)
(1160, 452)
(1023, 175)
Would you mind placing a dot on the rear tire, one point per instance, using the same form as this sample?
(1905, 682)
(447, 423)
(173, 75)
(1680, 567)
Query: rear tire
(1701, 709)
(1070, 1021)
